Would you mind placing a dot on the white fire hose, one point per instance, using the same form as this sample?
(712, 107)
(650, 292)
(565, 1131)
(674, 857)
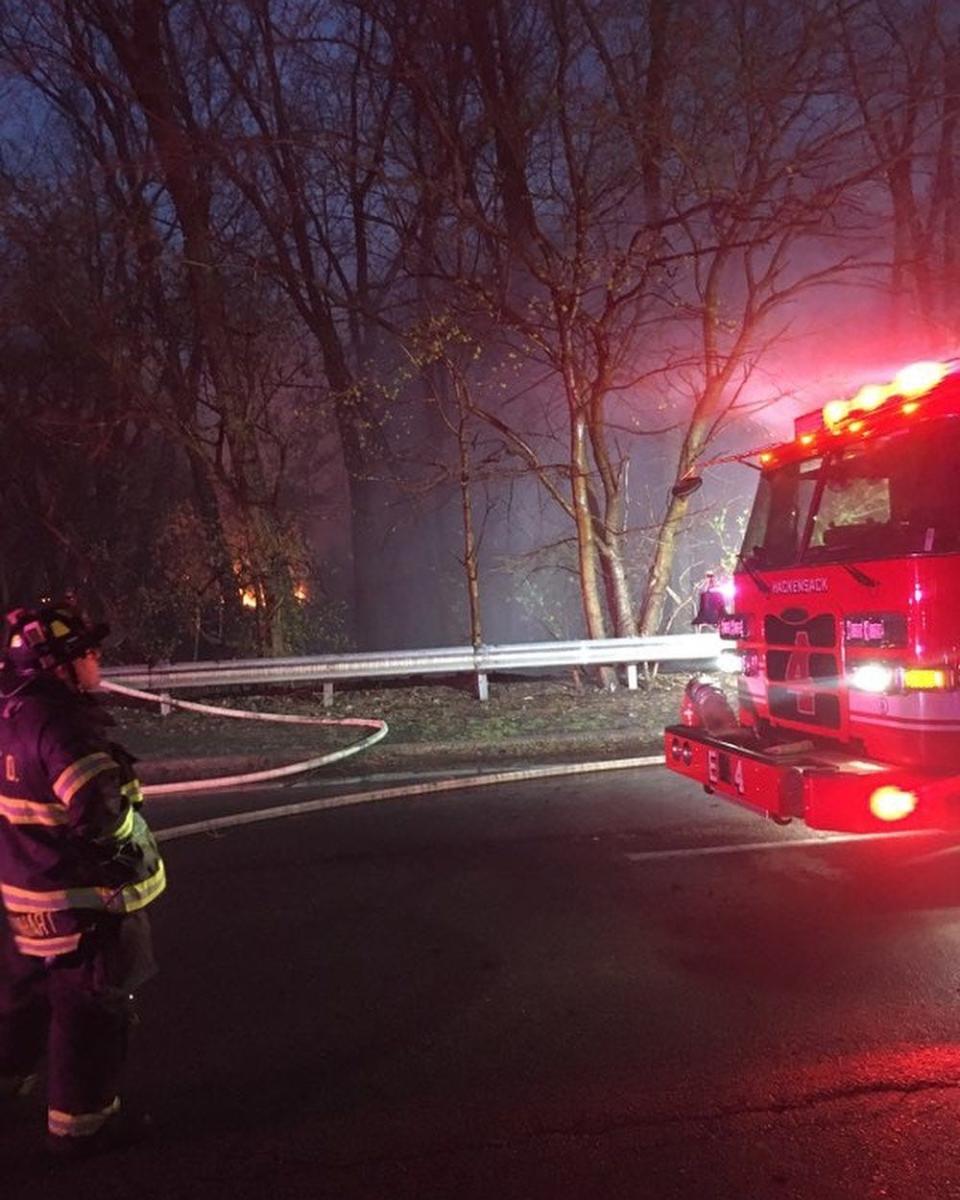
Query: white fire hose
(379, 728)
(232, 820)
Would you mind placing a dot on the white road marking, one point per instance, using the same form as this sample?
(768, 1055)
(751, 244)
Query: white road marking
(760, 847)
(935, 854)
(215, 825)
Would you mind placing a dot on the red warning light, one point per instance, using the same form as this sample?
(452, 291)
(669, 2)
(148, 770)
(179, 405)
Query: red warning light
(891, 803)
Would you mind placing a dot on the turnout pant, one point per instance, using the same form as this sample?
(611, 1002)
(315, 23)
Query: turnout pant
(78, 1008)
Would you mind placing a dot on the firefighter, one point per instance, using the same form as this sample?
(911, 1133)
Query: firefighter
(711, 605)
(78, 866)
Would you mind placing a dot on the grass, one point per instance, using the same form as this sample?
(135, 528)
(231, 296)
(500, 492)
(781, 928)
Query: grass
(532, 712)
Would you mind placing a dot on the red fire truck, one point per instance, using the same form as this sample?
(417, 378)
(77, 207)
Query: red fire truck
(846, 621)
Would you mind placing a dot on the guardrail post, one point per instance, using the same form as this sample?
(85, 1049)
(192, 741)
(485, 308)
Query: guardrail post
(632, 676)
(327, 694)
(483, 689)
(166, 708)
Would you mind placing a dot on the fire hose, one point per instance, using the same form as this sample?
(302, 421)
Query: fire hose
(380, 729)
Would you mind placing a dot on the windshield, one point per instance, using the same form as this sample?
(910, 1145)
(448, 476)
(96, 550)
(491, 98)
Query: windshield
(878, 499)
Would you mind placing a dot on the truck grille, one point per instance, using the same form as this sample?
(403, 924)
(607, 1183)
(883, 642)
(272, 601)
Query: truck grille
(802, 667)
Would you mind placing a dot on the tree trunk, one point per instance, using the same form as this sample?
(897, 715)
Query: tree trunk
(658, 577)
(586, 548)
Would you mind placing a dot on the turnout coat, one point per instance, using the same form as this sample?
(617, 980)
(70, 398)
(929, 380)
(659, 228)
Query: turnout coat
(73, 843)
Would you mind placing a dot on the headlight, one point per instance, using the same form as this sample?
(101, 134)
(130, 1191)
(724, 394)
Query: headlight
(872, 677)
(729, 662)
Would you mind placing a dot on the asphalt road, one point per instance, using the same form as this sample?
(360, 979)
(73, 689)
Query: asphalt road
(609, 986)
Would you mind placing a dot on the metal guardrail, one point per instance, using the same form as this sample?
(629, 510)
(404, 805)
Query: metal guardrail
(481, 661)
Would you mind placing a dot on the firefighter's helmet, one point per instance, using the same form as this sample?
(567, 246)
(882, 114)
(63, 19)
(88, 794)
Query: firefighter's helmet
(41, 639)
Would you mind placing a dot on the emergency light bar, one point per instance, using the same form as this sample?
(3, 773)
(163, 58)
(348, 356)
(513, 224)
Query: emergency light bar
(904, 395)
(908, 386)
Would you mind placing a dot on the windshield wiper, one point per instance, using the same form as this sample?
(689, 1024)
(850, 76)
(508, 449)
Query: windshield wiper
(753, 573)
(860, 576)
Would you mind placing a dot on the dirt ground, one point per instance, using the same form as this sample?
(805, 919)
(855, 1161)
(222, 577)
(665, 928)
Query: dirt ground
(521, 717)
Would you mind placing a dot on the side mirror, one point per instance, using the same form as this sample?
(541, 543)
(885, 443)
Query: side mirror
(686, 486)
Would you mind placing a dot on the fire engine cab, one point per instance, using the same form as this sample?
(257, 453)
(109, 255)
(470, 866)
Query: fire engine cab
(846, 621)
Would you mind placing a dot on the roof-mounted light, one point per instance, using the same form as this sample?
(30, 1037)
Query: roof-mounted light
(908, 385)
(870, 396)
(834, 412)
(919, 378)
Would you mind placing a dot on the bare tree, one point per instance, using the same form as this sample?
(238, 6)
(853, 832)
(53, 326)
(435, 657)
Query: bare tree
(306, 147)
(769, 148)
(649, 205)
(902, 69)
(143, 114)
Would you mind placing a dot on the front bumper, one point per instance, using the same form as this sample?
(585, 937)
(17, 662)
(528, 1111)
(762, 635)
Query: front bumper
(825, 788)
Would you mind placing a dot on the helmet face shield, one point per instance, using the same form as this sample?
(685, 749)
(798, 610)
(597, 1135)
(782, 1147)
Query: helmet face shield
(46, 638)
